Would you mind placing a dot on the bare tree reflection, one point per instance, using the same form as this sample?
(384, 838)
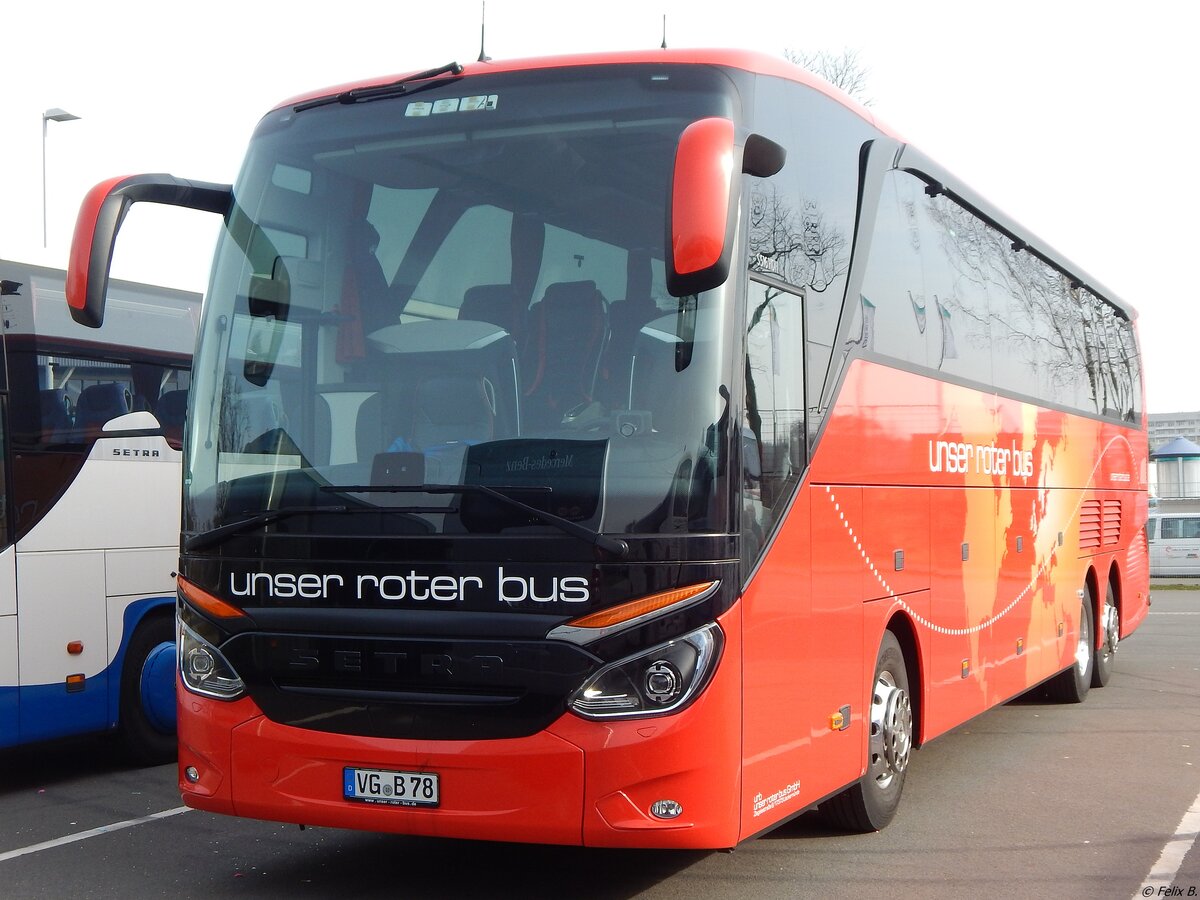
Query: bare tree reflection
(1079, 350)
(800, 248)
(842, 70)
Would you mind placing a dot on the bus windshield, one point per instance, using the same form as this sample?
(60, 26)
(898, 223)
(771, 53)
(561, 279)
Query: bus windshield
(427, 306)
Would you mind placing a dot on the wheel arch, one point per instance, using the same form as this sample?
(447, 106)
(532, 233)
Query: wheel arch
(1097, 591)
(902, 626)
(146, 702)
(138, 614)
(1116, 578)
(1091, 583)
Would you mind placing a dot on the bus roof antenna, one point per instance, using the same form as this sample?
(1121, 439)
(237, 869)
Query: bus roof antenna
(483, 57)
(664, 42)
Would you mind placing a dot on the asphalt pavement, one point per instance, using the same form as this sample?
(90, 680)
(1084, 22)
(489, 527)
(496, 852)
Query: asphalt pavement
(1031, 799)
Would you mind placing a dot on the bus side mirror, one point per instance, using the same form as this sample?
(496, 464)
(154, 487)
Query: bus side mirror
(269, 296)
(704, 201)
(100, 217)
(267, 300)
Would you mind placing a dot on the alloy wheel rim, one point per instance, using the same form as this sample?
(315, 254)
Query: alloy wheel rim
(891, 730)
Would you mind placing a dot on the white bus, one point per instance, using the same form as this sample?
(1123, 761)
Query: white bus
(90, 463)
(1174, 543)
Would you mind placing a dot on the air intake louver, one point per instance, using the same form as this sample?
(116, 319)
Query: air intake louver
(1099, 524)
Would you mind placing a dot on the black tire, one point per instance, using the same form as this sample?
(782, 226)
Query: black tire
(1072, 685)
(143, 742)
(870, 803)
(1110, 634)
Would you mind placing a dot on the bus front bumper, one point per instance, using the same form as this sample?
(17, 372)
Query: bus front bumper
(578, 782)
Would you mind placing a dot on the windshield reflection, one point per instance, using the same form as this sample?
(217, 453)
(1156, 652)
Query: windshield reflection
(434, 307)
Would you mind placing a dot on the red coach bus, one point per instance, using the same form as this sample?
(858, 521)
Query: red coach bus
(629, 450)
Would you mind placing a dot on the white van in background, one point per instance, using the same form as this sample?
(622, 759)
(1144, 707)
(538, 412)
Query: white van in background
(1174, 543)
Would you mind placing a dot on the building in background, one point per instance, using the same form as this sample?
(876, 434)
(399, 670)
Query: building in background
(1165, 427)
(1175, 460)
(1175, 476)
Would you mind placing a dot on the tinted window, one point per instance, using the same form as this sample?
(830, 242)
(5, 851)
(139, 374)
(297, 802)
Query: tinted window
(773, 411)
(475, 252)
(946, 290)
(1180, 528)
(895, 315)
(77, 396)
(802, 219)
(1111, 360)
(481, 301)
(956, 249)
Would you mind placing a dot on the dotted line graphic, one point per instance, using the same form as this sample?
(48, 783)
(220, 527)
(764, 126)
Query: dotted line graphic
(974, 629)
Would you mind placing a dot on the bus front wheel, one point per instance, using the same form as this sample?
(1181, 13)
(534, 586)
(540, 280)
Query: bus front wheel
(146, 727)
(870, 803)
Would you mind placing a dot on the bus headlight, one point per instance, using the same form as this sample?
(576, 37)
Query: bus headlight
(660, 680)
(203, 668)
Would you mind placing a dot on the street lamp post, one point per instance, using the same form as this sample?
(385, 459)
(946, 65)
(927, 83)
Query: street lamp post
(50, 115)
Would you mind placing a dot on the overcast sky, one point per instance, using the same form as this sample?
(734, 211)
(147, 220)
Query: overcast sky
(1073, 117)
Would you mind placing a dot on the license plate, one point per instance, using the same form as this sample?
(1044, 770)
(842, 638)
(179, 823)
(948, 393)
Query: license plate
(390, 788)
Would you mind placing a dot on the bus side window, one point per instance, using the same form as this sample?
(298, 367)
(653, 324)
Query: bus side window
(100, 403)
(1152, 530)
(772, 446)
(170, 411)
(4, 532)
(57, 415)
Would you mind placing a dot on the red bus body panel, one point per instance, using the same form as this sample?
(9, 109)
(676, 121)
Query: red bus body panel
(984, 629)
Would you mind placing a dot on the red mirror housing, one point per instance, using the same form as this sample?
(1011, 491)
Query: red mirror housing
(701, 223)
(100, 217)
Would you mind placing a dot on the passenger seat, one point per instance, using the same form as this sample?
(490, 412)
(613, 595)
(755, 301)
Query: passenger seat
(565, 338)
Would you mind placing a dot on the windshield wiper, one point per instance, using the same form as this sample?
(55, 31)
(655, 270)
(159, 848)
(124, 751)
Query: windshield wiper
(392, 89)
(266, 517)
(615, 546)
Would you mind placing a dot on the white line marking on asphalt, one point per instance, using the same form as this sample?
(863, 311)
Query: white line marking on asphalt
(93, 832)
(1164, 871)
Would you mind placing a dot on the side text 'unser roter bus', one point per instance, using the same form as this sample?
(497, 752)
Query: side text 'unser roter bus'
(626, 450)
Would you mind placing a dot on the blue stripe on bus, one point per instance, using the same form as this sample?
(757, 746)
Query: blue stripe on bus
(44, 712)
(8, 716)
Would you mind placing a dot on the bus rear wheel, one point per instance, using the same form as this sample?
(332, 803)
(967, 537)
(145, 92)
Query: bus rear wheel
(1071, 685)
(146, 728)
(1110, 635)
(871, 802)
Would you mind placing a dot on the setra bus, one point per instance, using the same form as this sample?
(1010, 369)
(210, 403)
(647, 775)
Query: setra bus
(91, 438)
(626, 450)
